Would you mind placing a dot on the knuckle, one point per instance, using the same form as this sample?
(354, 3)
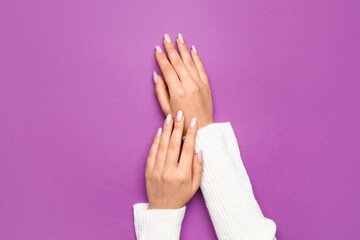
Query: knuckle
(167, 68)
(162, 148)
(195, 89)
(180, 92)
(178, 63)
(166, 177)
(189, 147)
(182, 177)
(173, 146)
(188, 62)
(155, 177)
(151, 154)
(158, 89)
(178, 126)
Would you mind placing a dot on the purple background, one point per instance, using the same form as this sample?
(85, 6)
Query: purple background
(78, 111)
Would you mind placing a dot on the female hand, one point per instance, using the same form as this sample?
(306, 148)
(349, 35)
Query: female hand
(170, 183)
(186, 80)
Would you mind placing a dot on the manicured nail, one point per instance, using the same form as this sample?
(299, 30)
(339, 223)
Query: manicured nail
(181, 38)
(200, 156)
(179, 116)
(158, 49)
(159, 132)
(193, 122)
(155, 76)
(167, 38)
(168, 119)
(194, 49)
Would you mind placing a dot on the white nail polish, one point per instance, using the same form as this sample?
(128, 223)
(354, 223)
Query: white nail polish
(179, 116)
(159, 132)
(194, 49)
(181, 38)
(167, 38)
(200, 157)
(168, 119)
(155, 77)
(158, 49)
(193, 122)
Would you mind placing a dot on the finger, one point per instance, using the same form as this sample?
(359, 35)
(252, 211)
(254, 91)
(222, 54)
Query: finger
(197, 169)
(176, 60)
(172, 156)
(162, 93)
(167, 70)
(186, 57)
(153, 150)
(187, 152)
(200, 67)
(164, 142)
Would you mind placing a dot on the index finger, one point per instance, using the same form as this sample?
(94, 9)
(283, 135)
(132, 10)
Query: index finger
(170, 76)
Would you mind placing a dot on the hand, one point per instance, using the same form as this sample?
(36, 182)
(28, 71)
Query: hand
(186, 80)
(170, 183)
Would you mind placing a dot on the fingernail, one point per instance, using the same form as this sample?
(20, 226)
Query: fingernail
(158, 49)
(193, 122)
(200, 156)
(194, 49)
(167, 38)
(181, 38)
(168, 119)
(159, 132)
(155, 76)
(179, 116)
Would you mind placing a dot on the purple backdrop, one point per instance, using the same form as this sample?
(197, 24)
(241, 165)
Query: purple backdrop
(78, 111)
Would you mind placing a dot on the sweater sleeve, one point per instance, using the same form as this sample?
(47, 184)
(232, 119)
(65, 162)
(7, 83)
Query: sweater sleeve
(159, 224)
(227, 189)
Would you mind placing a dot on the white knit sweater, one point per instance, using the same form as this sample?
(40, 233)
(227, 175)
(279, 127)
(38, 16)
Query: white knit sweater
(227, 191)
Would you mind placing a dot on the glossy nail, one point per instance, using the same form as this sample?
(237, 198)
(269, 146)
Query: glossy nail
(158, 49)
(193, 122)
(158, 134)
(167, 38)
(181, 38)
(194, 49)
(168, 119)
(155, 77)
(200, 157)
(179, 116)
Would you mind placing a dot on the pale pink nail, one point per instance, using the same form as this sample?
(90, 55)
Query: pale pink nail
(155, 77)
(158, 49)
(167, 38)
(168, 119)
(194, 49)
(200, 157)
(179, 116)
(193, 122)
(159, 132)
(181, 38)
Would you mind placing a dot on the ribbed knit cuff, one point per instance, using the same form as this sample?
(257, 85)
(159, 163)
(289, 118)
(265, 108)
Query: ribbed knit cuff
(226, 187)
(159, 224)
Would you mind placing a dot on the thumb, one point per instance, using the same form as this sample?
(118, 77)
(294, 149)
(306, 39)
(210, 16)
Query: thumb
(162, 93)
(197, 169)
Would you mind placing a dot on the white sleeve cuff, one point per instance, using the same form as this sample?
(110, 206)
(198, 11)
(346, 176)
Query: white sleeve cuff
(227, 189)
(159, 224)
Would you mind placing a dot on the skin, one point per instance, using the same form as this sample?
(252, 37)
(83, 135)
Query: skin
(170, 182)
(186, 84)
